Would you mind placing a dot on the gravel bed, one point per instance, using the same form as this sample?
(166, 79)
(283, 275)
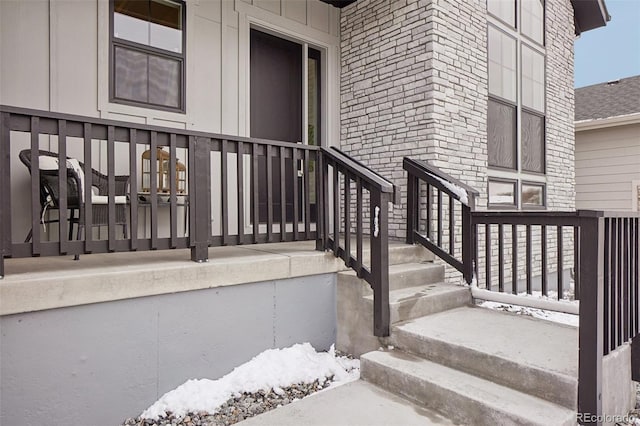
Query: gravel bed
(241, 407)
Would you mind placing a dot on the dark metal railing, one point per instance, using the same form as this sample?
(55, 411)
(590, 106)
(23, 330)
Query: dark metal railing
(603, 249)
(233, 191)
(426, 218)
(546, 244)
(359, 198)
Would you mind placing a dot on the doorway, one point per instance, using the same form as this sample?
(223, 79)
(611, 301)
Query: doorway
(285, 97)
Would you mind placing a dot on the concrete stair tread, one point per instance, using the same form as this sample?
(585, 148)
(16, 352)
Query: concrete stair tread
(410, 293)
(405, 275)
(462, 397)
(527, 341)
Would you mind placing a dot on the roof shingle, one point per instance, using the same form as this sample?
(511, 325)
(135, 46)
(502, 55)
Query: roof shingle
(612, 99)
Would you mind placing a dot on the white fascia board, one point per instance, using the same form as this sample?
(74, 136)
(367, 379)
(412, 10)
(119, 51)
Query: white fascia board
(601, 123)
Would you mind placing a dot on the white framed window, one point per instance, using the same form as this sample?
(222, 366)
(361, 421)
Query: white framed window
(147, 43)
(517, 103)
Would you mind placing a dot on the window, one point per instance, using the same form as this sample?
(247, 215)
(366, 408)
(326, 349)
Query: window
(502, 193)
(147, 53)
(516, 106)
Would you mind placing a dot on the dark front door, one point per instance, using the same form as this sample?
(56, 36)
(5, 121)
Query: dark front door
(276, 111)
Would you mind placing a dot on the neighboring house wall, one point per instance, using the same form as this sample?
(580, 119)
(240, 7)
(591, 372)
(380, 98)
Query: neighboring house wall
(607, 164)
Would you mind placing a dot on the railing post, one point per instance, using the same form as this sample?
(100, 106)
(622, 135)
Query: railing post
(590, 344)
(5, 190)
(322, 203)
(468, 244)
(199, 199)
(412, 201)
(380, 262)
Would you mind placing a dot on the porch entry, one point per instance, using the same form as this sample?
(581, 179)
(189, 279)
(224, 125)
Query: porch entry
(285, 105)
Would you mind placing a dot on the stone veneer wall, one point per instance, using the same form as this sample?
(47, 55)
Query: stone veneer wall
(560, 135)
(414, 83)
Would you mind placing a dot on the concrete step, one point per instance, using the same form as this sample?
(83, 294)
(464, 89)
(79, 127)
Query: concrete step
(459, 396)
(415, 302)
(401, 276)
(533, 356)
(406, 253)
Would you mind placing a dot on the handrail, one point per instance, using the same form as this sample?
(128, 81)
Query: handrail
(438, 178)
(356, 176)
(455, 190)
(359, 169)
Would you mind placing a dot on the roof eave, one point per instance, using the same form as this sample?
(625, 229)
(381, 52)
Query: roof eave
(589, 14)
(602, 123)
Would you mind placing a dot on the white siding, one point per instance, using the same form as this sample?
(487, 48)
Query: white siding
(55, 56)
(607, 163)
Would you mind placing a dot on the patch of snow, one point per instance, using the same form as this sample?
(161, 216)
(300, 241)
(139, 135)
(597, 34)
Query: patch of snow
(460, 192)
(558, 317)
(272, 369)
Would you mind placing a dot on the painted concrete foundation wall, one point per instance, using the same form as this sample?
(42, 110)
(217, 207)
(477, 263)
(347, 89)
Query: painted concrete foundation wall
(99, 364)
(618, 391)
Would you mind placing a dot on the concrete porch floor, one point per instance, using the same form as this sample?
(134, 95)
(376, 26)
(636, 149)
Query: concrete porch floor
(33, 284)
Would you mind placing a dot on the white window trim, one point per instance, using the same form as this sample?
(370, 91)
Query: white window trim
(521, 39)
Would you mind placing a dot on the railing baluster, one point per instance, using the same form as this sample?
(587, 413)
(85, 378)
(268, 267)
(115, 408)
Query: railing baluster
(487, 250)
(439, 218)
(359, 220)
(133, 188)
(615, 308)
(270, 184)
(560, 270)
(35, 187)
(346, 255)
(64, 226)
(336, 210)
(296, 199)
(576, 263)
(88, 193)
(607, 292)
(255, 190)
(529, 261)
(635, 282)
(452, 236)
(111, 185)
(173, 191)
(224, 193)
(543, 255)
(412, 201)
(626, 250)
(307, 193)
(429, 206)
(514, 259)
(500, 258)
(153, 191)
(283, 196)
(240, 185)
(620, 285)
(5, 189)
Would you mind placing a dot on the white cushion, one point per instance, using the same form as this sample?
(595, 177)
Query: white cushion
(104, 199)
(47, 162)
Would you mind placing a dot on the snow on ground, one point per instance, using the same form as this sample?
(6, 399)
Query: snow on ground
(273, 369)
(558, 317)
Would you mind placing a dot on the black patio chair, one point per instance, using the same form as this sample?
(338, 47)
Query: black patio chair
(50, 196)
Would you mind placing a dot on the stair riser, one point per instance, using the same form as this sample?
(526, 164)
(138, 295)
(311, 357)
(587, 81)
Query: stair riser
(422, 274)
(455, 406)
(556, 388)
(415, 308)
(409, 254)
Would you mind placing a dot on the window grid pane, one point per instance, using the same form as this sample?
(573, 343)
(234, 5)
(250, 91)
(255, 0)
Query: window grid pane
(503, 9)
(502, 193)
(532, 79)
(532, 19)
(532, 143)
(502, 65)
(130, 74)
(502, 135)
(532, 195)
